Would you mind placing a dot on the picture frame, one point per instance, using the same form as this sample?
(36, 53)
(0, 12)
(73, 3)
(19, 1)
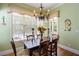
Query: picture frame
(67, 23)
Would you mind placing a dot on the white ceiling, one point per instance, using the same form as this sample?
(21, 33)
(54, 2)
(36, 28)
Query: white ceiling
(45, 5)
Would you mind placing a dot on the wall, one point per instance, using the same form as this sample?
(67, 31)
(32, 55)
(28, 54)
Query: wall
(69, 38)
(5, 30)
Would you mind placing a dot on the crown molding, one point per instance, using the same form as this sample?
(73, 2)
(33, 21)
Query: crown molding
(56, 6)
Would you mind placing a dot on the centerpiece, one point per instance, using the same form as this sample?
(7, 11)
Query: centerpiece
(41, 29)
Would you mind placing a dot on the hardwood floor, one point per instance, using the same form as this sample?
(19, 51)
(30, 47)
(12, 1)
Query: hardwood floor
(61, 52)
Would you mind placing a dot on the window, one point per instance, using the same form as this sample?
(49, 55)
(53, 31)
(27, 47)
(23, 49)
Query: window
(53, 25)
(22, 25)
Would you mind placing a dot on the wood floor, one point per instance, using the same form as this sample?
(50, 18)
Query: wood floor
(61, 52)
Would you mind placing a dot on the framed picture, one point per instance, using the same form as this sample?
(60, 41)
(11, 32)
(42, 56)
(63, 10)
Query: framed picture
(67, 23)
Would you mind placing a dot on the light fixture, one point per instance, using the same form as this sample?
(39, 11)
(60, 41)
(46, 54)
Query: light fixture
(42, 14)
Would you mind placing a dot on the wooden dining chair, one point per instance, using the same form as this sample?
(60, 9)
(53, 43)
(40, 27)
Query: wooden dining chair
(53, 46)
(38, 36)
(44, 48)
(29, 37)
(16, 53)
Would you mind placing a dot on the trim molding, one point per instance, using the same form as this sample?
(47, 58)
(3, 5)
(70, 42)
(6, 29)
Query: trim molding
(57, 6)
(69, 49)
(9, 51)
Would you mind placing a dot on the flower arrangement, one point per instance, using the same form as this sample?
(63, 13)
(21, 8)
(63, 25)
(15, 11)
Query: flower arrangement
(41, 29)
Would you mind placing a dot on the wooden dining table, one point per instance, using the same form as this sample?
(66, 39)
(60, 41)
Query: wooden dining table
(34, 43)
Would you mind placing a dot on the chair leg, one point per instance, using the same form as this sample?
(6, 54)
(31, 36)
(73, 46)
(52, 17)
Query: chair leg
(30, 52)
(56, 50)
(15, 52)
(51, 50)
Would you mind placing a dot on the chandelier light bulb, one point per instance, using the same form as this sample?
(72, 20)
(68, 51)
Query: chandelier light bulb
(48, 10)
(34, 11)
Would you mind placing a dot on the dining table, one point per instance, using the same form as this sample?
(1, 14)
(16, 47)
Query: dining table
(34, 43)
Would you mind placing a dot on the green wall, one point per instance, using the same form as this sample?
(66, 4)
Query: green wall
(5, 30)
(69, 38)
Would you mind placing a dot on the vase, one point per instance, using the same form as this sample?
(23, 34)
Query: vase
(41, 36)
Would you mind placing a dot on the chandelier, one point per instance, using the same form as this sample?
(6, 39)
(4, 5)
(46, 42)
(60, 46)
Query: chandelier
(42, 14)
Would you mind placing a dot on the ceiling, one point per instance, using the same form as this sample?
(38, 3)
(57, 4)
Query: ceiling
(45, 5)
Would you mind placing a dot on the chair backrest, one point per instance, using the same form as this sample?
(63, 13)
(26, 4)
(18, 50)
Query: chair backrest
(38, 36)
(14, 47)
(29, 37)
(44, 48)
(54, 44)
(55, 39)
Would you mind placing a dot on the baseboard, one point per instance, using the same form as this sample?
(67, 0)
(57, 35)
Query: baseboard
(9, 51)
(69, 49)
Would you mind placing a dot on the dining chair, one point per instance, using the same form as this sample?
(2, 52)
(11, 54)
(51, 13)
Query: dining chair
(16, 52)
(29, 37)
(44, 48)
(38, 36)
(53, 45)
